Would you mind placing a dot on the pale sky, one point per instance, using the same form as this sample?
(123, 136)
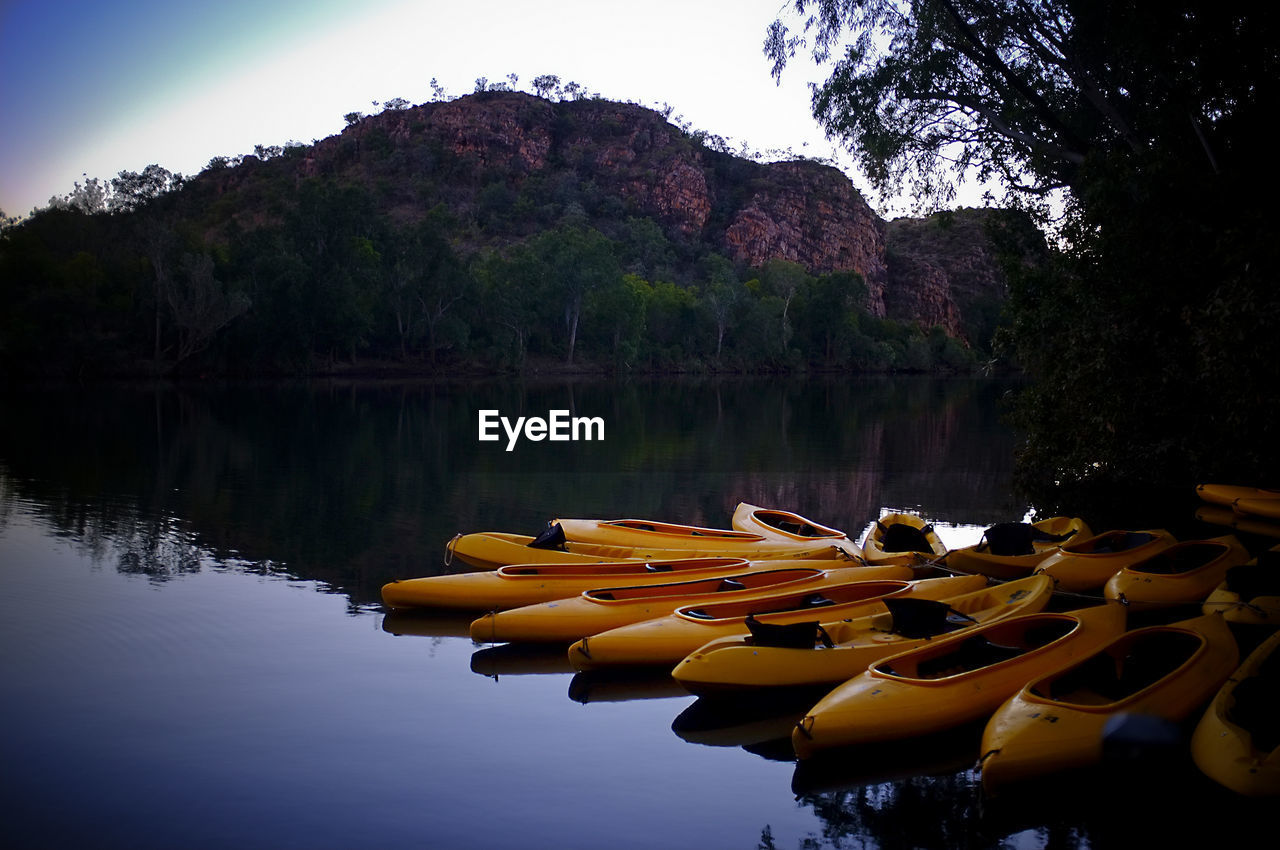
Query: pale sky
(90, 89)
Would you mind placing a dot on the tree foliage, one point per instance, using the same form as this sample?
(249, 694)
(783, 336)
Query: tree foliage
(1148, 333)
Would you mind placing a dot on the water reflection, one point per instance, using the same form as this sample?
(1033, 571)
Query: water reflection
(624, 685)
(518, 659)
(346, 487)
(746, 720)
(354, 485)
(427, 622)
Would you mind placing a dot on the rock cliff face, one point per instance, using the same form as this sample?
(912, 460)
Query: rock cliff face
(811, 214)
(915, 270)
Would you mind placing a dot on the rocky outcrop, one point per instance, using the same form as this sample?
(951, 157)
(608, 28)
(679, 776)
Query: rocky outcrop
(923, 271)
(812, 215)
(944, 268)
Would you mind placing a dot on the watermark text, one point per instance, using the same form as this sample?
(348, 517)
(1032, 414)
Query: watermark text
(558, 426)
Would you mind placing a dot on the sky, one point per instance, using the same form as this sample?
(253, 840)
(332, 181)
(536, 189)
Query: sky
(88, 89)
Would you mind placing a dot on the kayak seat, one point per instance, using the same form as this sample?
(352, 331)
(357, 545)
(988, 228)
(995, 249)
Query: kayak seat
(657, 568)
(805, 635)
(730, 584)
(552, 537)
(1008, 539)
(1254, 580)
(918, 618)
(1182, 559)
(815, 600)
(900, 537)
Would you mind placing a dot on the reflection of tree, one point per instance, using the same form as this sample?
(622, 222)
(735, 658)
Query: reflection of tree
(356, 485)
(153, 547)
(923, 811)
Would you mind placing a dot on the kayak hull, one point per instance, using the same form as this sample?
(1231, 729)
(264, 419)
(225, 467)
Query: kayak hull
(526, 584)
(665, 640)
(1226, 494)
(783, 525)
(916, 693)
(488, 550)
(880, 548)
(1058, 721)
(600, 609)
(1086, 565)
(1186, 572)
(979, 559)
(1232, 744)
(738, 663)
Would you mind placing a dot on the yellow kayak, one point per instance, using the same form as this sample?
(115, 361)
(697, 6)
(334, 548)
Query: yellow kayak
(785, 525)
(525, 584)
(1261, 508)
(952, 681)
(1014, 549)
(1184, 572)
(1236, 742)
(597, 610)
(653, 535)
(1085, 565)
(898, 538)
(1057, 721)
(1226, 494)
(665, 640)
(1250, 594)
(488, 550)
(745, 662)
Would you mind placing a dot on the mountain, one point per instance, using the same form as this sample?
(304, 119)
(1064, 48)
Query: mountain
(469, 229)
(916, 270)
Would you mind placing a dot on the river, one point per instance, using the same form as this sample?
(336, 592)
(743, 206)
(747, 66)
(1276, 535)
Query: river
(195, 654)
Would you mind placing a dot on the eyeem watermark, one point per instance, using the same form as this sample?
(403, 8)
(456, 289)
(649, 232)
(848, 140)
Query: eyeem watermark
(559, 426)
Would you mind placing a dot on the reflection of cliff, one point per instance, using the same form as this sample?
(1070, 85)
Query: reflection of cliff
(353, 486)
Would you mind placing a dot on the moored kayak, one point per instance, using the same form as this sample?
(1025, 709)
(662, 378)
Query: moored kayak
(1237, 741)
(597, 610)
(1013, 550)
(1085, 565)
(1260, 508)
(652, 535)
(953, 681)
(1225, 494)
(745, 661)
(525, 584)
(1183, 573)
(1057, 721)
(898, 538)
(666, 640)
(488, 550)
(1250, 593)
(769, 522)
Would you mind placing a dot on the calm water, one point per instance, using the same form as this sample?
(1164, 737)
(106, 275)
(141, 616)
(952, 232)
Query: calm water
(194, 654)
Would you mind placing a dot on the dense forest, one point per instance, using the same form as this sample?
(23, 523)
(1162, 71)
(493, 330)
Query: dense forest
(429, 240)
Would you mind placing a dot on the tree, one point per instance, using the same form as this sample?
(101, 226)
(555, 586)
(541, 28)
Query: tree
(201, 305)
(131, 190)
(1150, 122)
(721, 293)
(575, 260)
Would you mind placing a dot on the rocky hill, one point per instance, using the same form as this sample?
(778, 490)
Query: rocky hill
(483, 232)
(493, 147)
